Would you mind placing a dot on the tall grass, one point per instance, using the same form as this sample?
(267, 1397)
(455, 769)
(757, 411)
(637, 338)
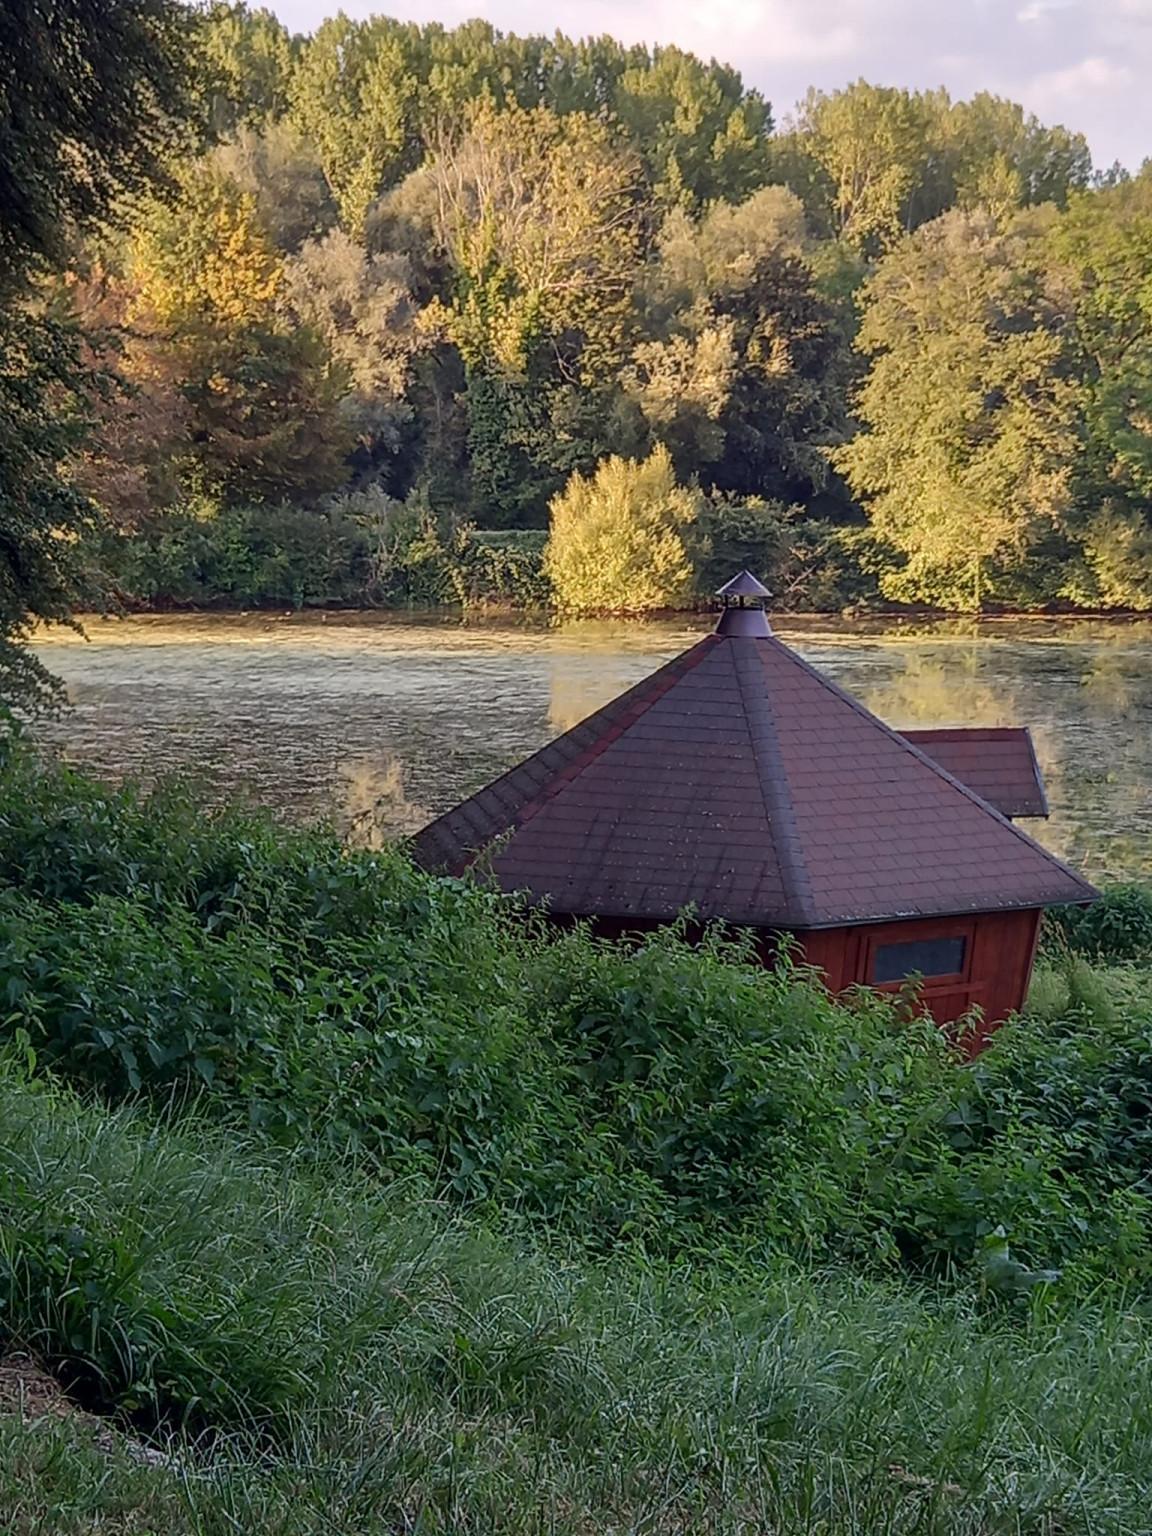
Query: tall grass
(389, 1210)
(370, 1362)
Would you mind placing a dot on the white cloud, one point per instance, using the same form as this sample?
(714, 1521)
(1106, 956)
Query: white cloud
(1039, 10)
(1060, 88)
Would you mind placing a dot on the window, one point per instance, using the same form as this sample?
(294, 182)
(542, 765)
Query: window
(926, 957)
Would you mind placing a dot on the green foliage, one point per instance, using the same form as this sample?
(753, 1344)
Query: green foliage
(873, 163)
(503, 569)
(265, 391)
(352, 93)
(743, 535)
(191, 1275)
(280, 170)
(661, 1091)
(744, 373)
(807, 565)
(359, 549)
(480, 264)
(248, 57)
(93, 99)
(562, 278)
(622, 540)
(703, 134)
(970, 410)
(1117, 927)
(45, 408)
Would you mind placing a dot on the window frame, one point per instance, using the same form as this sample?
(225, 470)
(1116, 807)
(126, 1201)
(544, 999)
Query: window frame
(914, 932)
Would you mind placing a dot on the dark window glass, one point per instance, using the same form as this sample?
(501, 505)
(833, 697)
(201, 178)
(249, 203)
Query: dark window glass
(926, 957)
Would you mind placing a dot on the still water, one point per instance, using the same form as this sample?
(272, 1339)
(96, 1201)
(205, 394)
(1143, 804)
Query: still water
(378, 722)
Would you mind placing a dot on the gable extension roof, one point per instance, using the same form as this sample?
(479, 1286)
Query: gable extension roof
(741, 781)
(998, 762)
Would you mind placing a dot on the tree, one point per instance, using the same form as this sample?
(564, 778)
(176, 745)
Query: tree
(363, 308)
(135, 457)
(874, 146)
(92, 99)
(1102, 248)
(45, 412)
(874, 162)
(281, 172)
(204, 261)
(744, 374)
(266, 416)
(540, 220)
(717, 253)
(702, 134)
(540, 216)
(265, 395)
(354, 96)
(995, 141)
(248, 56)
(970, 407)
(621, 539)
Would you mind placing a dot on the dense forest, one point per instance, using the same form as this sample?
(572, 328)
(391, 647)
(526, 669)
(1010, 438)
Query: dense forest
(358, 317)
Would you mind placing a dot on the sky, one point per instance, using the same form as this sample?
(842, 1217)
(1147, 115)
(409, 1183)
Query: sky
(1084, 63)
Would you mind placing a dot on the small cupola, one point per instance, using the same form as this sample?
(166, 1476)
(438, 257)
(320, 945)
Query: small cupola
(744, 600)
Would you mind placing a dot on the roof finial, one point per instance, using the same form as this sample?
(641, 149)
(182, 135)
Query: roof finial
(743, 599)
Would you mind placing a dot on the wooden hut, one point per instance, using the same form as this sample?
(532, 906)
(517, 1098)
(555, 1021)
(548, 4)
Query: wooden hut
(742, 782)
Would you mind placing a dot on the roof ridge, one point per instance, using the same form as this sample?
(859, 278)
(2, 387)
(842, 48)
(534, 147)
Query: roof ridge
(910, 747)
(773, 780)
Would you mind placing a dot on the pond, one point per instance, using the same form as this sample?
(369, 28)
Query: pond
(379, 722)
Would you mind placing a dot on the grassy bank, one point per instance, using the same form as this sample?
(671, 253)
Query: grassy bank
(375, 1363)
(400, 1213)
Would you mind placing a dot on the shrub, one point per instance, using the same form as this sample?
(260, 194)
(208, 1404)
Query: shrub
(503, 568)
(243, 556)
(621, 540)
(806, 564)
(669, 1092)
(742, 533)
(1117, 927)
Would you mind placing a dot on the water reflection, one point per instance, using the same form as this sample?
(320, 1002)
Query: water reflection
(377, 722)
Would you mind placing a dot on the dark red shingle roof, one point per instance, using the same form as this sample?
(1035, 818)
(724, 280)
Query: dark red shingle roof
(740, 780)
(998, 762)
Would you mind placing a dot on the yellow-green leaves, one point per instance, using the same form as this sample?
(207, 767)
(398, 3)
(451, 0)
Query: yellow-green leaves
(621, 538)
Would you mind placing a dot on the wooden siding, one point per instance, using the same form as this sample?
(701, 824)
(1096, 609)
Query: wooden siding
(999, 951)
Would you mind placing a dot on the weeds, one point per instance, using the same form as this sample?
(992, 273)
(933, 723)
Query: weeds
(380, 1364)
(400, 1212)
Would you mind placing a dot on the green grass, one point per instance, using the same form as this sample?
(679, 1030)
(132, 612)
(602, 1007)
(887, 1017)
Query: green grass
(370, 1362)
(385, 1209)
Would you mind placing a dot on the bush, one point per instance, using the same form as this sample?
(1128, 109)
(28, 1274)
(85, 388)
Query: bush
(358, 549)
(622, 540)
(661, 1091)
(248, 557)
(807, 565)
(742, 533)
(503, 568)
(1117, 927)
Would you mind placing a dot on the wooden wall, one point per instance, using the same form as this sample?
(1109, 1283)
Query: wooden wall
(999, 952)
